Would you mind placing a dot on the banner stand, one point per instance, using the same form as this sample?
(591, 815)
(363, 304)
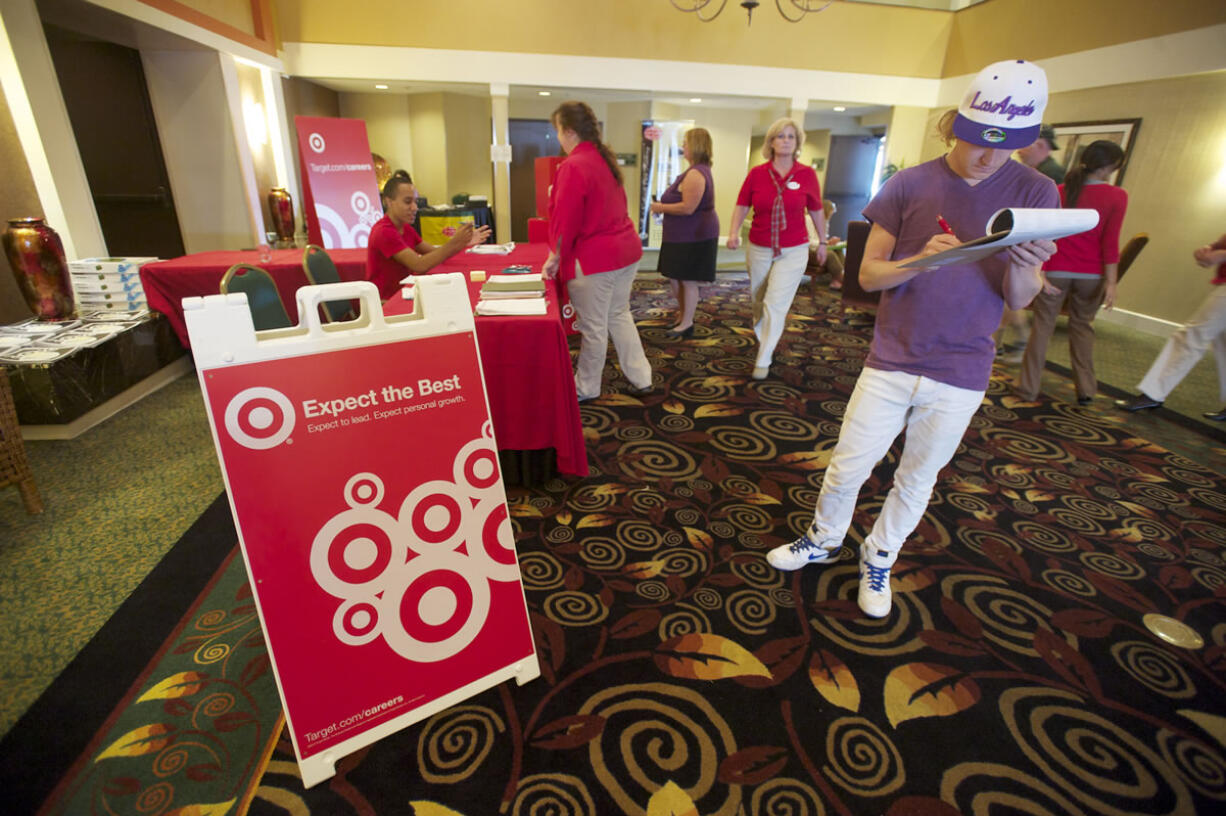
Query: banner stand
(362, 473)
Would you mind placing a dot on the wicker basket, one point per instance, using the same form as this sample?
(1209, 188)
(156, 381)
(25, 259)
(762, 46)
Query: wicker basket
(14, 467)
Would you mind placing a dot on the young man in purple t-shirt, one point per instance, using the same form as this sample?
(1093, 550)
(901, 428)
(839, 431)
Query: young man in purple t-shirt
(932, 348)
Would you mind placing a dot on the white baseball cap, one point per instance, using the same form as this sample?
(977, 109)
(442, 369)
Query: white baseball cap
(1003, 107)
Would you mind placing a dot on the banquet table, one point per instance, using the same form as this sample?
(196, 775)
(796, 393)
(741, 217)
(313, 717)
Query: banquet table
(526, 360)
(166, 283)
(526, 363)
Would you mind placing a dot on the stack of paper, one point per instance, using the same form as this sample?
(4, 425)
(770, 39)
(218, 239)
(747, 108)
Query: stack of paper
(499, 287)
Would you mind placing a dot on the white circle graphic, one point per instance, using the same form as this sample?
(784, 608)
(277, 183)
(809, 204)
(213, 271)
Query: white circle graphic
(259, 418)
(359, 202)
(317, 142)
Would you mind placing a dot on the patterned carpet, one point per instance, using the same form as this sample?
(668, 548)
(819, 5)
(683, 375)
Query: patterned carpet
(681, 674)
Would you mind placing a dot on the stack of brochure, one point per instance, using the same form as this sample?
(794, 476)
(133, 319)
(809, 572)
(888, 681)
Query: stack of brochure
(497, 287)
(493, 249)
(522, 294)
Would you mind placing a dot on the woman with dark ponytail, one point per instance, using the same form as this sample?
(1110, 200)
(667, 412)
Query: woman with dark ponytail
(595, 251)
(1083, 270)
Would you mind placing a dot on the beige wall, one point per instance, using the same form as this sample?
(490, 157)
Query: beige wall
(1003, 29)
(236, 13)
(469, 135)
(18, 199)
(251, 88)
(189, 103)
(856, 37)
(387, 124)
(429, 170)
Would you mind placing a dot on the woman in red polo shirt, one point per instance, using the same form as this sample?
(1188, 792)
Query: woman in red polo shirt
(395, 250)
(780, 191)
(595, 251)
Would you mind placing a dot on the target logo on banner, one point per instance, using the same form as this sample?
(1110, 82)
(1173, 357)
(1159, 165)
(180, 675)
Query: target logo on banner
(421, 578)
(317, 143)
(260, 418)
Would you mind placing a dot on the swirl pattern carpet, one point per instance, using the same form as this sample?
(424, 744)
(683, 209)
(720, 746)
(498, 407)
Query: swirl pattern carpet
(682, 674)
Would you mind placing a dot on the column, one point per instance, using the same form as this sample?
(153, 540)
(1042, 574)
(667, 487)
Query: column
(500, 157)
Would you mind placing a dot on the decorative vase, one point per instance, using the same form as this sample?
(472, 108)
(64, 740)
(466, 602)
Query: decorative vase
(36, 255)
(282, 208)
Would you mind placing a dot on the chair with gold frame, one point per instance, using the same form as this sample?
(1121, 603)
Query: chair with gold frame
(263, 299)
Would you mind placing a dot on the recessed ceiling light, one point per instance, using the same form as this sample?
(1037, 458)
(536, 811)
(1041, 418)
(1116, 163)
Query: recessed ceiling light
(543, 93)
(695, 99)
(839, 108)
(381, 87)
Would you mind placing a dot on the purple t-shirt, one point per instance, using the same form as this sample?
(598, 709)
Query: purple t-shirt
(939, 324)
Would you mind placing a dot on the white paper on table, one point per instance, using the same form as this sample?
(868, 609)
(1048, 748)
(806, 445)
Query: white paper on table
(511, 306)
(519, 278)
(1009, 226)
(493, 249)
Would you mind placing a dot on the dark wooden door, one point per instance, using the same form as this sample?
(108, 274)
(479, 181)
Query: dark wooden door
(530, 139)
(104, 90)
(849, 178)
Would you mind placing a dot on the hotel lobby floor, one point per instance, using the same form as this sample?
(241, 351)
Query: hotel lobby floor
(118, 497)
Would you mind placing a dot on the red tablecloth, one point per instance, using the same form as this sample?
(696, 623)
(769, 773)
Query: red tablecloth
(526, 362)
(166, 283)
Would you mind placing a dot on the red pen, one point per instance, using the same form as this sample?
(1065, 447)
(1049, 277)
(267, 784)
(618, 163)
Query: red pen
(945, 225)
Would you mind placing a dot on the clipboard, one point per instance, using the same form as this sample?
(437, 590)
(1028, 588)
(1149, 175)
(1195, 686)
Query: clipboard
(1009, 226)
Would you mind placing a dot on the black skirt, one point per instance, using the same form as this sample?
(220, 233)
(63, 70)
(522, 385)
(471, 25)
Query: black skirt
(689, 261)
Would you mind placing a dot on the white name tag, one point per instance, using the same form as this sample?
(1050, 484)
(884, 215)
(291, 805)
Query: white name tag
(793, 185)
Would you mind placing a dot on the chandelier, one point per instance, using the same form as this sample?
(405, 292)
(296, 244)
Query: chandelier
(798, 7)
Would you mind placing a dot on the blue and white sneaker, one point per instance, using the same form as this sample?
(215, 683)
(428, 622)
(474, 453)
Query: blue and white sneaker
(803, 551)
(875, 598)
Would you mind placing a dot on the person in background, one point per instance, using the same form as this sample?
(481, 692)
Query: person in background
(1038, 155)
(691, 229)
(1184, 348)
(931, 354)
(395, 250)
(1083, 272)
(594, 249)
(780, 191)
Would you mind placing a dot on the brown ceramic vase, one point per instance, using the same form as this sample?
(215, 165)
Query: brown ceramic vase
(36, 255)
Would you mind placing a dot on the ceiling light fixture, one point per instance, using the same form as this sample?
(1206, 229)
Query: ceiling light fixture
(695, 99)
(381, 87)
(543, 93)
(839, 108)
(798, 7)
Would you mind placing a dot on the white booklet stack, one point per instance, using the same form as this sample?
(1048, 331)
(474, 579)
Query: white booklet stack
(512, 294)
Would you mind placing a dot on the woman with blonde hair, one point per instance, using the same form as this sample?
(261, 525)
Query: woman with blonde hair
(595, 251)
(691, 229)
(780, 191)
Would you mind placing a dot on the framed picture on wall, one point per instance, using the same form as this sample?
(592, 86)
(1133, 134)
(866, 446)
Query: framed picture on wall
(1073, 137)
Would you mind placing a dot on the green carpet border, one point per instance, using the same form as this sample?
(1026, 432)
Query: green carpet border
(45, 743)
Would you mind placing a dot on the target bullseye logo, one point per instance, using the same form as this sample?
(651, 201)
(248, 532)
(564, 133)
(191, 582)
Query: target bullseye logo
(317, 142)
(260, 418)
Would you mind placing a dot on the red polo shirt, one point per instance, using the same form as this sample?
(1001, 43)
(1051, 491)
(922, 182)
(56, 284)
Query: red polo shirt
(588, 221)
(801, 192)
(385, 241)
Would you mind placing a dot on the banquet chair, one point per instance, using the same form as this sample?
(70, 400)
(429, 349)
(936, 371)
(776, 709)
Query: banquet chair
(263, 299)
(320, 269)
(854, 296)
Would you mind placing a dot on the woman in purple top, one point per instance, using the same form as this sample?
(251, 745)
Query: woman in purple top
(932, 350)
(691, 229)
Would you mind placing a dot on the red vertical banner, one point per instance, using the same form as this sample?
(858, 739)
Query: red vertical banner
(367, 494)
(339, 189)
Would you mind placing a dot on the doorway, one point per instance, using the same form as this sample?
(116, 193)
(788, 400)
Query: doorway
(103, 85)
(849, 178)
(530, 139)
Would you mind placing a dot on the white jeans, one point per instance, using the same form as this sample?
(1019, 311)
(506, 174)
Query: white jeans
(772, 287)
(883, 403)
(1184, 348)
(603, 303)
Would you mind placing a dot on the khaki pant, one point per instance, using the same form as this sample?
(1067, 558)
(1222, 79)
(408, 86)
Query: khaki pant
(1084, 297)
(603, 303)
